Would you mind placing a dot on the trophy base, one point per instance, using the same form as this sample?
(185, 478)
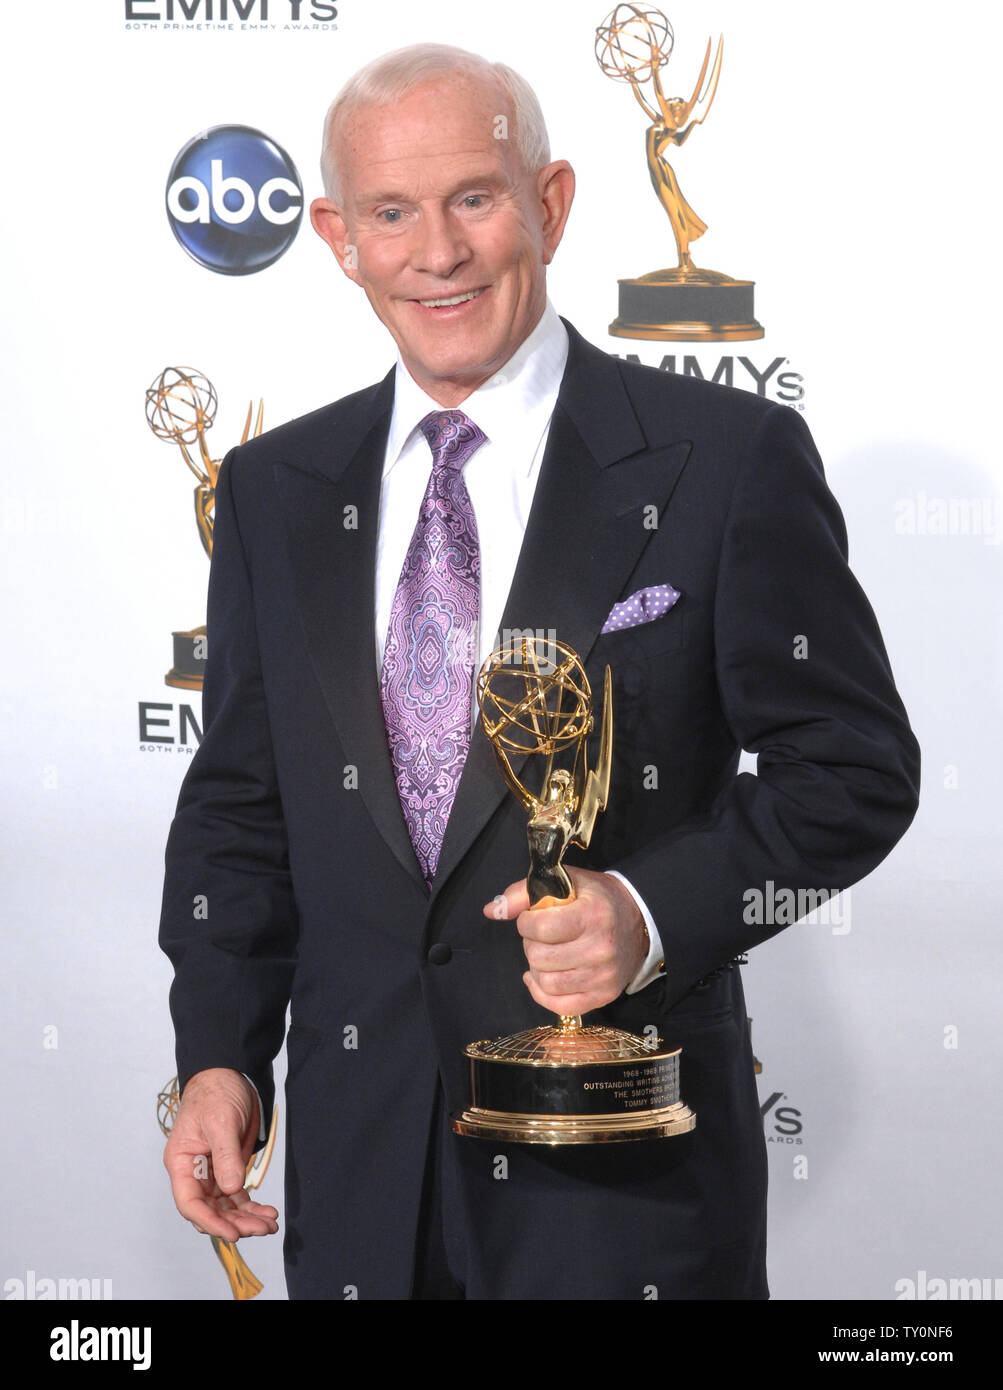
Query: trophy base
(573, 1085)
(574, 1129)
(687, 304)
(189, 660)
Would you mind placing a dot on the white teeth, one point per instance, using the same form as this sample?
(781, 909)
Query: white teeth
(446, 303)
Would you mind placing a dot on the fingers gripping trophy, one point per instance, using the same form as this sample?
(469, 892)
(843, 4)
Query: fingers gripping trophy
(685, 302)
(180, 408)
(570, 1083)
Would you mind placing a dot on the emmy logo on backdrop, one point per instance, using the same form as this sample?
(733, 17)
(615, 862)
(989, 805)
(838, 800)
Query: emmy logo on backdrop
(243, 1283)
(180, 408)
(567, 1083)
(684, 302)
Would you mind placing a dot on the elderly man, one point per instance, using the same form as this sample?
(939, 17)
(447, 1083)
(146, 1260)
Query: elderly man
(349, 830)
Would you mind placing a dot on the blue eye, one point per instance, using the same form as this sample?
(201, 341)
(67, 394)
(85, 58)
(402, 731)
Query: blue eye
(391, 215)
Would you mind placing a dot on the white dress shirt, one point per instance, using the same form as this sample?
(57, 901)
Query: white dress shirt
(513, 408)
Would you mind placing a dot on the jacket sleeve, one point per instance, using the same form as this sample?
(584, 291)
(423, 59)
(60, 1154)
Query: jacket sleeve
(805, 683)
(229, 922)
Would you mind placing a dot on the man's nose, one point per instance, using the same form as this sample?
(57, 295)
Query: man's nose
(441, 245)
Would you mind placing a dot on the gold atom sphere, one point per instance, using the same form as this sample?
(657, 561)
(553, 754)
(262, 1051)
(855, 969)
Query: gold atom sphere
(180, 404)
(632, 42)
(534, 697)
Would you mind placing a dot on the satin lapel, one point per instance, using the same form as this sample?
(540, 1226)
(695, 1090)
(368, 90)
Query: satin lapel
(334, 574)
(585, 534)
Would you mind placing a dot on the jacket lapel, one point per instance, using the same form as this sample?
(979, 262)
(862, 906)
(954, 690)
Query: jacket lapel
(585, 535)
(334, 567)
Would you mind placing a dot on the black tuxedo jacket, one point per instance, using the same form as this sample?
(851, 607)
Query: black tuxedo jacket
(289, 823)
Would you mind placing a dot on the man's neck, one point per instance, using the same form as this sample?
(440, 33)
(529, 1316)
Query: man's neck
(450, 394)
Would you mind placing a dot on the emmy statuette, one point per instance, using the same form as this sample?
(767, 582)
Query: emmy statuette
(180, 408)
(683, 302)
(568, 1083)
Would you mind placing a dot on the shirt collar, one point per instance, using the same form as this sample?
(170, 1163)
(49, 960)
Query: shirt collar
(503, 407)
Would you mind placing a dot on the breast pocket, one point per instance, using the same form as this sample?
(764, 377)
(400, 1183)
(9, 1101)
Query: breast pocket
(642, 659)
(660, 635)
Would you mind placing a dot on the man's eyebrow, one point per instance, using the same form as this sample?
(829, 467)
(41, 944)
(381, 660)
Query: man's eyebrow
(495, 179)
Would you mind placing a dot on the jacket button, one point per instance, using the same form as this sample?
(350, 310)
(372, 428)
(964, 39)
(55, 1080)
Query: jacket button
(440, 954)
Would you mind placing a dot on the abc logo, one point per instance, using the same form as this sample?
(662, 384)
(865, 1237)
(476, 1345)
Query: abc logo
(234, 200)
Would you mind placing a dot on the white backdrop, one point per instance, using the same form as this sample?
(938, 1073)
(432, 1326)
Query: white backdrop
(845, 168)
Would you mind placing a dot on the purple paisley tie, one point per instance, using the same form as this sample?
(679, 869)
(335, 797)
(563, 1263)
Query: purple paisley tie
(428, 661)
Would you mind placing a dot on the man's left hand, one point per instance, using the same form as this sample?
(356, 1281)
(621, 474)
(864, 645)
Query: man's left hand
(583, 953)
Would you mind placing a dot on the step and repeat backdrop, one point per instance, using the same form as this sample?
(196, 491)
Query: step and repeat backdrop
(165, 296)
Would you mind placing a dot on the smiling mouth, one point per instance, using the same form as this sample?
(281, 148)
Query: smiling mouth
(448, 303)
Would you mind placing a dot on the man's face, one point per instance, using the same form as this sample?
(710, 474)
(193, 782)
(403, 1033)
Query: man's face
(445, 231)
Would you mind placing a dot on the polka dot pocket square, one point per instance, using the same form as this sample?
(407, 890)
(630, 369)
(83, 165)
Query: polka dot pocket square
(643, 607)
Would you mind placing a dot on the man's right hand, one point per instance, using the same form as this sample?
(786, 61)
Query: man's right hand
(206, 1156)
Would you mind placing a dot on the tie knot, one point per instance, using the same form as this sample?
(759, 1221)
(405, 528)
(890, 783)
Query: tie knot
(452, 437)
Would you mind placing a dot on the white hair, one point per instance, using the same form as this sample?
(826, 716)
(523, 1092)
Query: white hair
(390, 77)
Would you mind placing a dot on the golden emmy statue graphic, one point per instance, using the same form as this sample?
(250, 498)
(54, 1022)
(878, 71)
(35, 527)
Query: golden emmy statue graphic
(568, 1083)
(684, 302)
(243, 1283)
(180, 408)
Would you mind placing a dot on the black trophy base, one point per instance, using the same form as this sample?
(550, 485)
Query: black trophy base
(189, 660)
(687, 304)
(573, 1086)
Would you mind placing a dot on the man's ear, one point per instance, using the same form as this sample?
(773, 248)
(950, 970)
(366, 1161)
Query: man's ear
(555, 187)
(331, 227)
